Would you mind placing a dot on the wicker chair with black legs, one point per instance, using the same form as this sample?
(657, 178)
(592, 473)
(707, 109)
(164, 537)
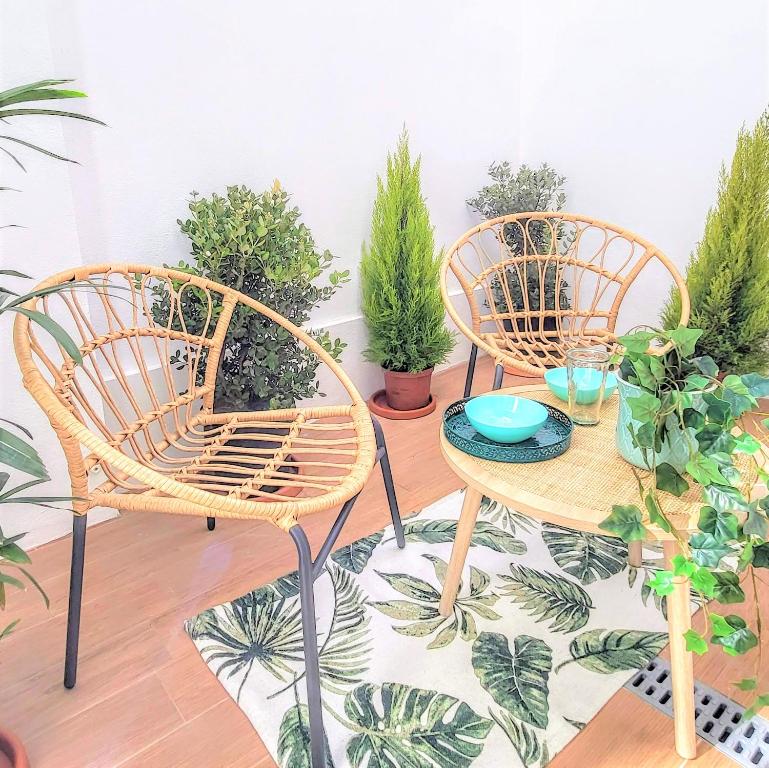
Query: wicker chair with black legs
(538, 284)
(151, 428)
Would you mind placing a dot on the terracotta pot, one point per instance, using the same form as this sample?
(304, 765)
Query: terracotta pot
(12, 752)
(407, 391)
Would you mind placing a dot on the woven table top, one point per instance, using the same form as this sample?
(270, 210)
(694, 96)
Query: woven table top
(576, 489)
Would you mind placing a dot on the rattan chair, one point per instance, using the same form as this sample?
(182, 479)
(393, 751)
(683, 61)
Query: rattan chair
(581, 266)
(149, 426)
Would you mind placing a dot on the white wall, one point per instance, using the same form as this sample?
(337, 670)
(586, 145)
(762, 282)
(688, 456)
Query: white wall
(636, 104)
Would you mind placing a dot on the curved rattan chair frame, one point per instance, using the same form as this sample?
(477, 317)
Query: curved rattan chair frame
(168, 450)
(534, 248)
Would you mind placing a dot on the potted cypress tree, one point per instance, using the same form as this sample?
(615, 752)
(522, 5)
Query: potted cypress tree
(401, 296)
(728, 273)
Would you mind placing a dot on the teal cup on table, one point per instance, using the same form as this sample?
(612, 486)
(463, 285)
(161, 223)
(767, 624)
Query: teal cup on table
(505, 418)
(588, 381)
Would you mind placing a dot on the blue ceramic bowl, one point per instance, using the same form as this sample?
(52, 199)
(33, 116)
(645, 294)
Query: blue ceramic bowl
(505, 418)
(588, 384)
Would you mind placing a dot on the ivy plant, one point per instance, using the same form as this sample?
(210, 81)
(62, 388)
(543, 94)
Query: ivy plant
(681, 397)
(257, 245)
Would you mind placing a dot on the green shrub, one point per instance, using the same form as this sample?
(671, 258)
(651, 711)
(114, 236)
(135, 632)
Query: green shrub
(728, 273)
(525, 191)
(399, 271)
(257, 245)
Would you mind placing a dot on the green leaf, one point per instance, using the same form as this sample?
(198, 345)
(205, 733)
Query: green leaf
(756, 384)
(683, 567)
(397, 725)
(706, 550)
(655, 513)
(354, 557)
(695, 642)
(17, 453)
(524, 739)
(705, 470)
(670, 481)
(54, 329)
(644, 407)
(761, 556)
(626, 522)
(728, 589)
(746, 443)
(662, 583)
(704, 582)
(638, 342)
(548, 596)
(725, 498)
(755, 524)
(718, 410)
(747, 684)
(586, 556)
(13, 553)
(685, 339)
(723, 526)
(605, 652)
(734, 392)
(732, 634)
(517, 680)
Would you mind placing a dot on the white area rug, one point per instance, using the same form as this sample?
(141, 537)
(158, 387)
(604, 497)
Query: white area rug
(549, 624)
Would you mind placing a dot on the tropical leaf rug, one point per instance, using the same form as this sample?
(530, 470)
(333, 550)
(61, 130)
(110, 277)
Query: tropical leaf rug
(549, 624)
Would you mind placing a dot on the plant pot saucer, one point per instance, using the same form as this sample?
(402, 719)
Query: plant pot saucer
(377, 404)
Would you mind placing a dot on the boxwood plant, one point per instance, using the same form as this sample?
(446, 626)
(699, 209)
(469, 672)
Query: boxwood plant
(682, 398)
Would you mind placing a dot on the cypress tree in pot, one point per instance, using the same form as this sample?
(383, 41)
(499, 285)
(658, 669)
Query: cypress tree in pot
(401, 295)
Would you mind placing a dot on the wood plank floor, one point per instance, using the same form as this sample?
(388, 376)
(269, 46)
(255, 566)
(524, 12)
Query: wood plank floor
(145, 698)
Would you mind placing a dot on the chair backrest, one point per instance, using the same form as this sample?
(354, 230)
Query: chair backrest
(540, 283)
(151, 340)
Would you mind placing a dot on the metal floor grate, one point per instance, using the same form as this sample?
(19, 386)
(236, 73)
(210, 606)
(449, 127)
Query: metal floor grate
(718, 718)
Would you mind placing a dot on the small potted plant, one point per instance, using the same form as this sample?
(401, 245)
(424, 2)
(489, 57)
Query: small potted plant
(401, 295)
(690, 430)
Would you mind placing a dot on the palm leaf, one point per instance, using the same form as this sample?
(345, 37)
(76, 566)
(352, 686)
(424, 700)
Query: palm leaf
(605, 651)
(496, 512)
(548, 597)
(523, 738)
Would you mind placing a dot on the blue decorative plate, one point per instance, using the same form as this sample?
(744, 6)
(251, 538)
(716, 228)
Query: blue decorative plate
(551, 440)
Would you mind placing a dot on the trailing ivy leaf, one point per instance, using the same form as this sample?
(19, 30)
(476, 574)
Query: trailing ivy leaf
(685, 339)
(695, 383)
(746, 443)
(761, 556)
(747, 684)
(548, 596)
(655, 513)
(294, 739)
(670, 481)
(644, 407)
(757, 385)
(732, 634)
(397, 725)
(662, 583)
(587, 556)
(755, 524)
(725, 498)
(354, 557)
(683, 567)
(723, 526)
(645, 436)
(718, 409)
(705, 470)
(625, 521)
(704, 582)
(605, 652)
(728, 589)
(643, 373)
(706, 550)
(695, 642)
(706, 365)
(444, 532)
(693, 419)
(734, 392)
(638, 342)
(516, 680)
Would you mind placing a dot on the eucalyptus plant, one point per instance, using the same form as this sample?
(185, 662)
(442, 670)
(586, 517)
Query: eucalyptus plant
(680, 397)
(257, 245)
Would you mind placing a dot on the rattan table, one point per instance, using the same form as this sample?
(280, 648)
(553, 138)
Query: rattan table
(577, 490)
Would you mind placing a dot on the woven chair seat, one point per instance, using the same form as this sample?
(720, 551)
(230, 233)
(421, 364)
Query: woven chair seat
(299, 457)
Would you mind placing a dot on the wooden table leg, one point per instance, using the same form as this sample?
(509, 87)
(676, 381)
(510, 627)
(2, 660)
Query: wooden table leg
(681, 663)
(465, 527)
(635, 554)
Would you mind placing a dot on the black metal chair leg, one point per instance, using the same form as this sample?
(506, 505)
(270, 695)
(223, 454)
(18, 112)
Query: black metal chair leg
(471, 370)
(312, 676)
(387, 475)
(75, 599)
(211, 523)
(499, 372)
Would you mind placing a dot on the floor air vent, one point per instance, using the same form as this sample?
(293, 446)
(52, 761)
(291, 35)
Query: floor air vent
(718, 718)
